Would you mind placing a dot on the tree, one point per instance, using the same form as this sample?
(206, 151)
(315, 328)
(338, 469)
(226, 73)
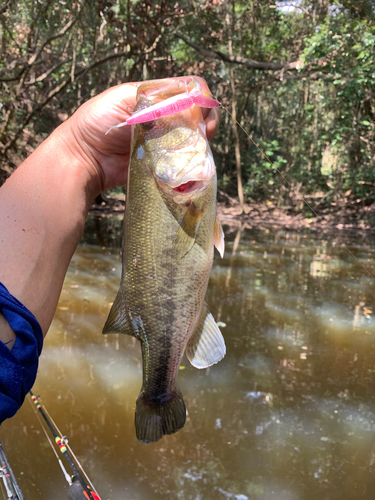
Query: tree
(319, 56)
(298, 72)
(55, 55)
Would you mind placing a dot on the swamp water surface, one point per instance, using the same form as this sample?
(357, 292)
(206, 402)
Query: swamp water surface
(289, 414)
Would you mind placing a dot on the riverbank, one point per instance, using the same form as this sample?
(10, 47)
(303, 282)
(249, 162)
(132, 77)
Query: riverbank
(339, 216)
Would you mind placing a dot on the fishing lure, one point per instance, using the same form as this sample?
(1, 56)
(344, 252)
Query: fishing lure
(171, 106)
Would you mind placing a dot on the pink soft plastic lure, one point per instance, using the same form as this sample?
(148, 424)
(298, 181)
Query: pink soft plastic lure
(171, 106)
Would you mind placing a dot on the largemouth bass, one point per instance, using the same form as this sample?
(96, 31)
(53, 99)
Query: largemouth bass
(170, 229)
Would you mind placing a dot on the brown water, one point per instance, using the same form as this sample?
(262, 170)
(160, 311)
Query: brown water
(287, 415)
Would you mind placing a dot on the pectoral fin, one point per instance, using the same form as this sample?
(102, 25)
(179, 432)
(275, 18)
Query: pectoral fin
(117, 321)
(187, 231)
(219, 237)
(206, 346)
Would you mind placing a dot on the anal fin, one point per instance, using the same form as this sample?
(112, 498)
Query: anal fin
(206, 346)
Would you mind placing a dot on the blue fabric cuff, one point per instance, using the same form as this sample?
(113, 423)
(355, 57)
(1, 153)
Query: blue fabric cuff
(19, 366)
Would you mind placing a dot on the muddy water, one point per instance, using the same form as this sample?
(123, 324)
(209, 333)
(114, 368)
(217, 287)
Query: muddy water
(289, 414)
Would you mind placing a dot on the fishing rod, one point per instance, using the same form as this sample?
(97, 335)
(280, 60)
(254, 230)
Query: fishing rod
(78, 489)
(13, 491)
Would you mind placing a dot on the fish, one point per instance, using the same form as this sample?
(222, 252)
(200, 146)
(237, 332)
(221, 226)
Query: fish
(169, 232)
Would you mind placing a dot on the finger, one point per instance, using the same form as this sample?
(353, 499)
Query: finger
(119, 99)
(213, 120)
(212, 116)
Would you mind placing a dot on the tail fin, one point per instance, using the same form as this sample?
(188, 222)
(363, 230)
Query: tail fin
(155, 418)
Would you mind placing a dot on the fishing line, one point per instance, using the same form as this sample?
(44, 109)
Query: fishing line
(300, 195)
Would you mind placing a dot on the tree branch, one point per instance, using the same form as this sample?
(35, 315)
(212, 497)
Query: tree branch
(58, 89)
(249, 63)
(5, 7)
(156, 41)
(47, 73)
(56, 35)
(34, 57)
(15, 77)
(114, 55)
(28, 117)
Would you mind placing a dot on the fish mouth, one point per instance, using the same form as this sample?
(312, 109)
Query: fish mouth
(188, 187)
(184, 191)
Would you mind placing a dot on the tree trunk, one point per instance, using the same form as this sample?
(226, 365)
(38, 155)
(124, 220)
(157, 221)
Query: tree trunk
(234, 114)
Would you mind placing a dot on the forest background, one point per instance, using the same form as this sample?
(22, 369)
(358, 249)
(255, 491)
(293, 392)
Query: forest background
(299, 76)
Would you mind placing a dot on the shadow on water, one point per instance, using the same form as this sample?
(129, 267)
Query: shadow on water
(287, 415)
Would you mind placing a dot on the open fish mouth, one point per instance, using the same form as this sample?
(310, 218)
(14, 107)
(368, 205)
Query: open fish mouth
(188, 187)
(184, 191)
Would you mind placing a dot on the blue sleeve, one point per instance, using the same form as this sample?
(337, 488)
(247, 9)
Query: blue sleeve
(19, 366)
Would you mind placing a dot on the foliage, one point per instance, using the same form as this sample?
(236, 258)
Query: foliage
(303, 73)
(345, 46)
(57, 54)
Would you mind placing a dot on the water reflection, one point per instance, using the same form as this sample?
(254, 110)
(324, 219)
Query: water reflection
(288, 414)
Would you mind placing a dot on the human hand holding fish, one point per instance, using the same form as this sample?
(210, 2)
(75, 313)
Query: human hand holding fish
(57, 184)
(106, 156)
(45, 202)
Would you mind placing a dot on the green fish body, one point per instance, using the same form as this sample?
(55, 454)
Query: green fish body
(170, 229)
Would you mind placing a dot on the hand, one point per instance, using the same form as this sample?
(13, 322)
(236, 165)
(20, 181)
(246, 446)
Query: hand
(106, 157)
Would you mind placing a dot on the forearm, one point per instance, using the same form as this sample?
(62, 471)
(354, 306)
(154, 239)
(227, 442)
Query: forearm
(43, 207)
